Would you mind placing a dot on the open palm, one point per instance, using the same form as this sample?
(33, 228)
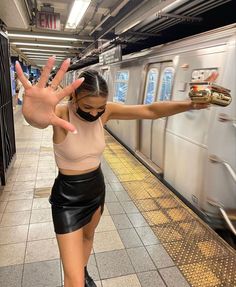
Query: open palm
(40, 101)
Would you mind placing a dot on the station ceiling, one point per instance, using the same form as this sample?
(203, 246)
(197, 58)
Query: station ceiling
(134, 24)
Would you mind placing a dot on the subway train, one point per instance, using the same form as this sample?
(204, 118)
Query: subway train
(194, 152)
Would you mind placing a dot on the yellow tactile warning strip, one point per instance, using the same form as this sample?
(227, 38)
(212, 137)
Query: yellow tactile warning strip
(203, 257)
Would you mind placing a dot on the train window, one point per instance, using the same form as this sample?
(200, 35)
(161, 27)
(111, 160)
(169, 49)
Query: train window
(151, 86)
(166, 84)
(121, 86)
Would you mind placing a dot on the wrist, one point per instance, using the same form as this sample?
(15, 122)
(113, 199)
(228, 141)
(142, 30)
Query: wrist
(188, 105)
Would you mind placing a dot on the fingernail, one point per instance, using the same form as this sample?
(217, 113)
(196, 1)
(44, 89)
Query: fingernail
(75, 132)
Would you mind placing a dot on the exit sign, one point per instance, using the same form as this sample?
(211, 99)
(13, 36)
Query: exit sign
(48, 21)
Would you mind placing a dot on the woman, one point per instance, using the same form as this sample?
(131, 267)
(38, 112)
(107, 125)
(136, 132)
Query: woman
(78, 193)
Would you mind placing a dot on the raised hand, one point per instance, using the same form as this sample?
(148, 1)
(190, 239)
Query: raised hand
(40, 101)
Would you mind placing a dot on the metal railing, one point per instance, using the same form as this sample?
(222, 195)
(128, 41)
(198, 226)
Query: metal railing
(215, 159)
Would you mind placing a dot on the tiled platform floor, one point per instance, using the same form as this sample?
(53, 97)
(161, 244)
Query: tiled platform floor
(131, 239)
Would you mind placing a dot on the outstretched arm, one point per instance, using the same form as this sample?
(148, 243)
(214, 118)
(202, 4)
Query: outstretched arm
(155, 110)
(40, 101)
(152, 111)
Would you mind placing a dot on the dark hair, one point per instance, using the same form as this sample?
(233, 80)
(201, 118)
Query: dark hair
(94, 84)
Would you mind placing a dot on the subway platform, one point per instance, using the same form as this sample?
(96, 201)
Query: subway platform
(146, 238)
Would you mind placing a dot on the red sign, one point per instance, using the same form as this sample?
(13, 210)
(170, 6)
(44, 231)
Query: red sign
(48, 21)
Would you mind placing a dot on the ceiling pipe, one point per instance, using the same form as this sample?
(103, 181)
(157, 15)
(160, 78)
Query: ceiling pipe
(173, 6)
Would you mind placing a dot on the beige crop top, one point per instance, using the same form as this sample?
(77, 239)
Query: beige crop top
(81, 151)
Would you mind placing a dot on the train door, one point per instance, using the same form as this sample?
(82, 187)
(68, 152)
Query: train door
(159, 126)
(149, 97)
(159, 83)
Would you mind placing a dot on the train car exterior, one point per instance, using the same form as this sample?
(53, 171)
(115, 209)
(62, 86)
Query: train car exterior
(195, 151)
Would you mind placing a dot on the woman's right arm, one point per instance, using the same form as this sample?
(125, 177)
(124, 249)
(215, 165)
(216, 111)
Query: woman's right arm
(40, 101)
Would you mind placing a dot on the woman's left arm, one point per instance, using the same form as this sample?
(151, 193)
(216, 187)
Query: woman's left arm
(153, 111)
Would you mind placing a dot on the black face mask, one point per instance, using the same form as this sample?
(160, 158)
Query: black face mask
(87, 116)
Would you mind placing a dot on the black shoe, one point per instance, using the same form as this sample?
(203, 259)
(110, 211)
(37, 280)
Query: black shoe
(88, 280)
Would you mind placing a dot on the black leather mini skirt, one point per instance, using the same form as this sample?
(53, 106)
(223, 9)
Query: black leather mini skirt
(75, 198)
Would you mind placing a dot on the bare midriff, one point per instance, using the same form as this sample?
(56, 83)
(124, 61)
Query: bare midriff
(76, 172)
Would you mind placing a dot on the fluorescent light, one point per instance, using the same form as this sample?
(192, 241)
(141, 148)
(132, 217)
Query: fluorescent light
(43, 54)
(77, 12)
(53, 51)
(59, 56)
(41, 37)
(41, 45)
(43, 57)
